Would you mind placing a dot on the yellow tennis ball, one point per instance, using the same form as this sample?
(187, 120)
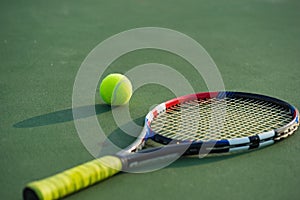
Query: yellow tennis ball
(115, 89)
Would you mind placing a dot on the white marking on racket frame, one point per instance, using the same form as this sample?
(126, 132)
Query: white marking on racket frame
(150, 116)
(236, 141)
(235, 149)
(266, 135)
(267, 143)
(161, 107)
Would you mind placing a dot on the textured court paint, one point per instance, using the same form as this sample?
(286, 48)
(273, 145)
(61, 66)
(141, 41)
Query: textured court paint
(76, 178)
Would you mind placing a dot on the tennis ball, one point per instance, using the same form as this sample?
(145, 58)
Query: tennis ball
(115, 89)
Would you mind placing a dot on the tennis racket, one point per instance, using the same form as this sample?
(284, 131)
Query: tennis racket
(199, 124)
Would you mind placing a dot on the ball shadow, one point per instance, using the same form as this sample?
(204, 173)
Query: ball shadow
(62, 116)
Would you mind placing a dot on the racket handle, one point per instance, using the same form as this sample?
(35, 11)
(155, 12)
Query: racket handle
(72, 180)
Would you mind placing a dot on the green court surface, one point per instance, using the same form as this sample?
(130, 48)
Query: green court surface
(255, 44)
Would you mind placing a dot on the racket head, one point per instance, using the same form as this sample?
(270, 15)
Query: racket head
(220, 122)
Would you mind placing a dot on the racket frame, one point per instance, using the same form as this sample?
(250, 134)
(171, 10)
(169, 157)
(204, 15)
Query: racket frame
(217, 146)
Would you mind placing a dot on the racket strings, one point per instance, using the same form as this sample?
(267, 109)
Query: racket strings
(215, 119)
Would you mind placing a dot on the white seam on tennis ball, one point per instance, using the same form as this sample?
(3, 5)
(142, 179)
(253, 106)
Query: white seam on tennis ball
(124, 79)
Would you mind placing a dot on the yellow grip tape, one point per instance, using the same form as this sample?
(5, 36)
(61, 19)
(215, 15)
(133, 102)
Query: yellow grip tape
(74, 179)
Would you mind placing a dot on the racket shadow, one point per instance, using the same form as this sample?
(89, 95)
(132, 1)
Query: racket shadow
(122, 139)
(62, 116)
(187, 161)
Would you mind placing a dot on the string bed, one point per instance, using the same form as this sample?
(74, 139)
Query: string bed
(216, 119)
